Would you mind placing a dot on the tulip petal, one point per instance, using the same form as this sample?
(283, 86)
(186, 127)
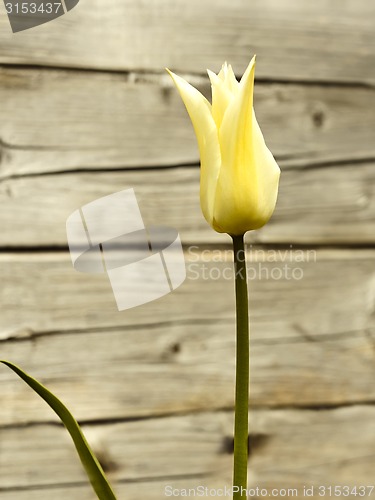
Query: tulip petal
(231, 80)
(227, 76)
(223, 71)
(237, 123)
(239, 175)
(221, 97)
(268, 174)
(200, 112)
(248, 179)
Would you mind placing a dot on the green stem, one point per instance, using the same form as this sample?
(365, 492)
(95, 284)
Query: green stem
(241, 424)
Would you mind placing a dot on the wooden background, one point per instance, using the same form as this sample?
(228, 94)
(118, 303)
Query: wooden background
(86, 109)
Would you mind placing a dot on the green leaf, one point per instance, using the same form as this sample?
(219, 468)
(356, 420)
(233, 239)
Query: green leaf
(91, 464)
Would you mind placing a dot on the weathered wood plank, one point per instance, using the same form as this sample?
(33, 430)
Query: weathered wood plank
(115, 445)
(314, 448)
(312, 338)
(184, 368)
(332, 205)
(55, 120)
(165, 451)
(42, 292)
(294, 40)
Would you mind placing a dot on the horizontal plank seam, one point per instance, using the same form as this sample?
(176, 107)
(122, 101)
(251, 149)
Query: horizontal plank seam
(271, 244)
(99, 170)
(174, 477)
(43, 487)
(31, 336)
(137, 480)
(318, 164)
(303, 166)
(307, 338)
(318, 406)
(313, 407)
(61, 249)
(134, 73)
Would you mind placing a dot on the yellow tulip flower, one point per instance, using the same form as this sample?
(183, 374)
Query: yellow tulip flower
(239, 175)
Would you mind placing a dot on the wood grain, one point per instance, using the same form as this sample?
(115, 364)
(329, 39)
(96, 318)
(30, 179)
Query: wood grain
(87, 110)
(312, 338)
(192, 450)
(55, 120)
(320, 40)
(42, 292)
(332, 205)
(185, 368)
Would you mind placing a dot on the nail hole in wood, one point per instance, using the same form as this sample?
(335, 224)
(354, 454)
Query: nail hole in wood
(176, 348)
(318, 118)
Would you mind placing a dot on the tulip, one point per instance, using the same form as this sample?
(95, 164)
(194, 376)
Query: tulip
(239, 175)
(238, 191)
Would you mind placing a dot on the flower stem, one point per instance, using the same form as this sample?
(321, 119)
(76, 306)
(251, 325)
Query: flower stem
(241, 424)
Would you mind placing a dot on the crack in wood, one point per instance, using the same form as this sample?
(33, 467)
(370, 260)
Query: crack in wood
(155, 76)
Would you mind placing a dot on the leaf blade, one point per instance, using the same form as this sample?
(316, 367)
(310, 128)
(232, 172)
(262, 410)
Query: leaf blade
(89, 461)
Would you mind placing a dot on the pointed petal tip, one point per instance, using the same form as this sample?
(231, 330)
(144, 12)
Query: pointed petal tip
(180, 82)
(170, 73)
(214, 79)
(250, 70)
(253, 61)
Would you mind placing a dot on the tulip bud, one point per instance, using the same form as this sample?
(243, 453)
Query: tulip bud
(239, 176)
